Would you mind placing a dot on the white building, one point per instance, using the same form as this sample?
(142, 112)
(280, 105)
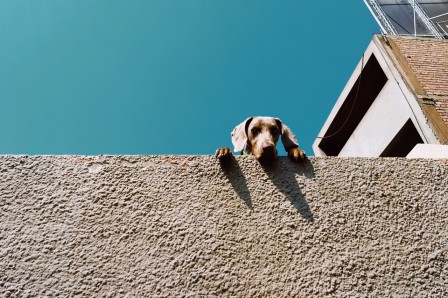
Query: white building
(398, 100)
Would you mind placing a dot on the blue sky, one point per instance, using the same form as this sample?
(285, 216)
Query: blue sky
(169, 76)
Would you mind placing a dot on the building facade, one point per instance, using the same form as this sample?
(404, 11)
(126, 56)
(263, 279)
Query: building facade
(396, 98)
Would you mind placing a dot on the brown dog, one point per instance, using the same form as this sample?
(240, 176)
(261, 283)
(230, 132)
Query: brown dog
(258, 136)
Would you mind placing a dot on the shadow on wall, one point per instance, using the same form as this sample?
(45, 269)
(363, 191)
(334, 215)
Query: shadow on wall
(282, 174)
(233, 172)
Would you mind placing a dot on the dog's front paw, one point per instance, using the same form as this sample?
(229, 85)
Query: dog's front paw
(296, 154)
(223, 153)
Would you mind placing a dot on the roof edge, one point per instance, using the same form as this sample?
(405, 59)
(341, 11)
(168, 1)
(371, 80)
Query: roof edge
(425, 101)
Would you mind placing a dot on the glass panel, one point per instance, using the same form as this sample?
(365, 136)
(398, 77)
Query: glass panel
(401, 15)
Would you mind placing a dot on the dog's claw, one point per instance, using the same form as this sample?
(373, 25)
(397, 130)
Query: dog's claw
(223, 153)
(297, 154)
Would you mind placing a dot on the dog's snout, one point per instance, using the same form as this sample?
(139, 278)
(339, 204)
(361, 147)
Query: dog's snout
(268, 145)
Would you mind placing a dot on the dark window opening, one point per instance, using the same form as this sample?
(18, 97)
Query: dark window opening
(373, 80)
(403, 142)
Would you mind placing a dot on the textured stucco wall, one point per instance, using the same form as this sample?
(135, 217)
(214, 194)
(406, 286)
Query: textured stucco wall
(175, 226)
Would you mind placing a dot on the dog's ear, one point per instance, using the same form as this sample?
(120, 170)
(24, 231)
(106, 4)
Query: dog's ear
(288, 138)
(239, 135)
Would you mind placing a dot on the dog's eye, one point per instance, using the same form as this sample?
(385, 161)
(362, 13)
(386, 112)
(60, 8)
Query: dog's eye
(255, 130)
(274, 130)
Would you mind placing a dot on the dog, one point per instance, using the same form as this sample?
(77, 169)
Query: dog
(258, 136)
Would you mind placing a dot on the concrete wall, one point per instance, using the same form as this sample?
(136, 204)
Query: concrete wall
(175, 226)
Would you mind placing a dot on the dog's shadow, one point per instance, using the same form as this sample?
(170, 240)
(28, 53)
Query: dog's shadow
(282, 173)
(233, 172)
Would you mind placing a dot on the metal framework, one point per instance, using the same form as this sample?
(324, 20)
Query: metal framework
(424, 17)
(380, 17)
(387, 27)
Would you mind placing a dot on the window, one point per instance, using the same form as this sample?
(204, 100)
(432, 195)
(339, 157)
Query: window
(403, 142)
(354, 107)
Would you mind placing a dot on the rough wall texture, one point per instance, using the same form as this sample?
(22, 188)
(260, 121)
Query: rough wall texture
(175, 226)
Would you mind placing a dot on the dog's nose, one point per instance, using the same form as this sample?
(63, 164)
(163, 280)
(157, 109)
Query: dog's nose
(268, 146)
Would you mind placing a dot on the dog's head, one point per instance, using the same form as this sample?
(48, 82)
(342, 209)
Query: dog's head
(259, 136)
